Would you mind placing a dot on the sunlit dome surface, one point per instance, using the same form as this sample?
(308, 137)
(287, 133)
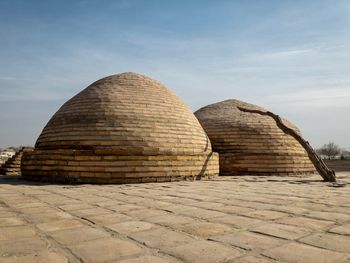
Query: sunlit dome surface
(250, 143)
(122, 128)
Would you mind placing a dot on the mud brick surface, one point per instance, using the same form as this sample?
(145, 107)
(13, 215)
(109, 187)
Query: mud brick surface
(125, 128)
(250, 143)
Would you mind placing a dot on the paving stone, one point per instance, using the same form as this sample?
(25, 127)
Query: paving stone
(57, 200)
(342, 230)
(290, 209)
(109, 203)
(124, 208)
(205, 229)
(296, 253)
(12, 201)
(329, 216)
(347, 260)
(95, 199)
(209, 205)
(171, 220)
(47, 217)
(282, 231)
(204, 251)
(335, 242)
(40, 257)
(15, 232)
(72, 207)
(145, 213)
(6, 213)
(201, 213)
(91, 212)
(157, 204)
(306, 222)
(105, 250)
(249, 240)
(129, 227)
(238, 210)
(266, 214)
(177, 208)
(161, 238)
(28, 204)
(145, 259)
(250, 204)
(108, 219)
(59, 225)
(190, 201)
(38, 210)
(23, 246)
(237, 221)
(250, 259)
(11, 221)
(316, 216)
(77, 235)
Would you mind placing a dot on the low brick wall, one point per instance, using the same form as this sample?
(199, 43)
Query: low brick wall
(95, 167)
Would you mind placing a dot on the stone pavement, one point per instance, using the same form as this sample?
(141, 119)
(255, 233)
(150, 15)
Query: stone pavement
(230, 219)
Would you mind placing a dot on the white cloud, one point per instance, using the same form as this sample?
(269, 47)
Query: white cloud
(7, 78)
(283, 54)
(316, 98)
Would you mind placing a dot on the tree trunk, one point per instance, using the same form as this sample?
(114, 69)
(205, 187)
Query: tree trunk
(326, 173)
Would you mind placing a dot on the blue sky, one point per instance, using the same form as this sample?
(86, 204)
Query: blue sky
(292, 57)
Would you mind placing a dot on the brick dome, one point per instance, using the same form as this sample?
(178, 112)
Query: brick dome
(250, 143)
(122, 128)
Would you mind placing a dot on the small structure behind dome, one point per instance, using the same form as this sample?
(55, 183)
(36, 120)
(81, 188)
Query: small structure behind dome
(12, 166)
(250, 143)
(125, 128)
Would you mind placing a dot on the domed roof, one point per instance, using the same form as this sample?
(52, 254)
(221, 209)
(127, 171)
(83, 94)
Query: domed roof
(228, 112)
(250, 142)
(127, 112)
(124, 128)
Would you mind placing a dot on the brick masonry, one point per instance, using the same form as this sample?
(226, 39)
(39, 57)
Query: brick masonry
(251, 143)
(125, 128)
(12, 166)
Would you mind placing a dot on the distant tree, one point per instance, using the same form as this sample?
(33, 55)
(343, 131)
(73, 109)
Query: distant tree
(319, 151)
(331, 150)
(345, 155)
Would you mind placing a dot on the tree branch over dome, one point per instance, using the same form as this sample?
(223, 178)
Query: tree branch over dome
(326, 173)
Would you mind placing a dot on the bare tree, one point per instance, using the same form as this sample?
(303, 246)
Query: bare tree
(331, 150)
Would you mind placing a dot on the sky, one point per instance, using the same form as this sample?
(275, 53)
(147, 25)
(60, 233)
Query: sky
(291, 57)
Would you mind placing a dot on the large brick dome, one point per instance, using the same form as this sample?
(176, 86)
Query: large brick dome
(250, 143)
(122, 128)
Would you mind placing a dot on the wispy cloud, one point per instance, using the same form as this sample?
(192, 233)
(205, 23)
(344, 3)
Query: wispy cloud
(283, 54)
(317, 98)
(7, 78)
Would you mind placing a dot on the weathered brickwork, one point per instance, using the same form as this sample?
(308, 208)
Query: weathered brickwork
(251, 143)
(12, 167)
(124, 128)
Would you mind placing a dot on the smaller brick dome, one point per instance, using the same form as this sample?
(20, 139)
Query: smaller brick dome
(250, 143)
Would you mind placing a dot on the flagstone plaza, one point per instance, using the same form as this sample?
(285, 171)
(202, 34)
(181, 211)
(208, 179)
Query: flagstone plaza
(229, 219)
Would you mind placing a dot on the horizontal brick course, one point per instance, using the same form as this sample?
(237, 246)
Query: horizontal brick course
(126, 128)
(251, 143)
